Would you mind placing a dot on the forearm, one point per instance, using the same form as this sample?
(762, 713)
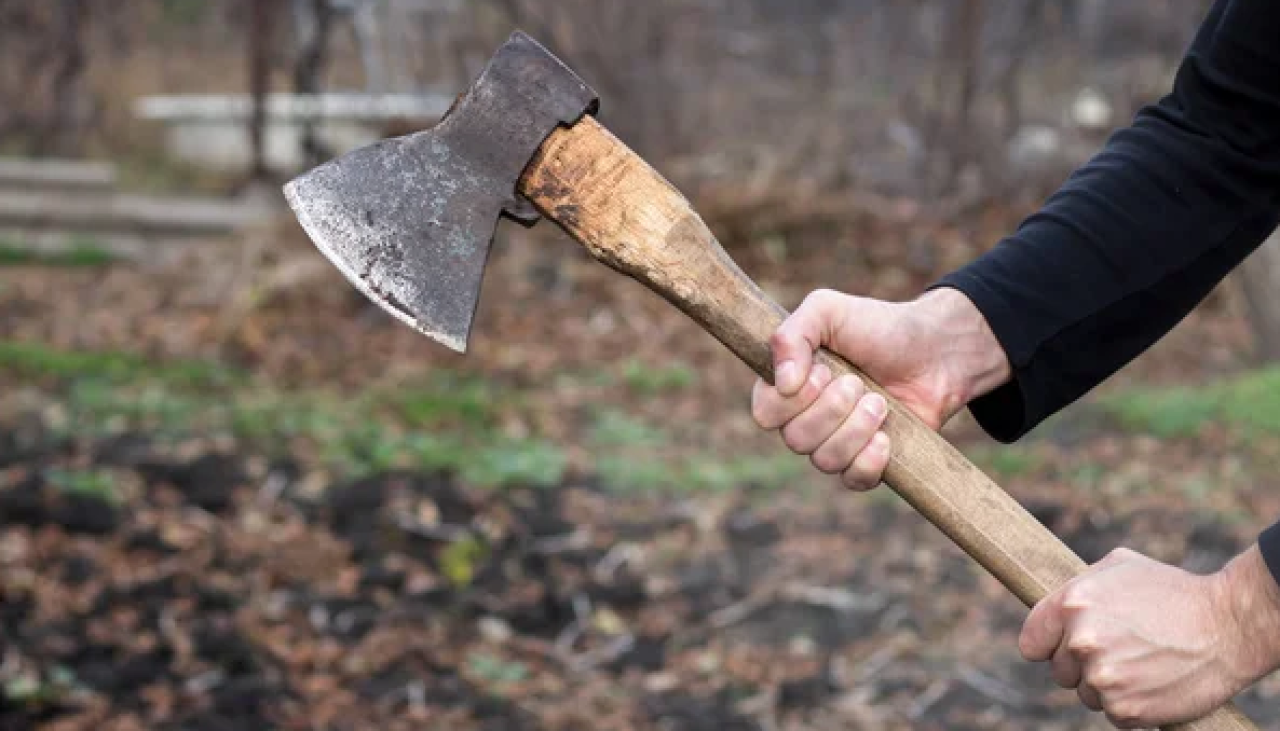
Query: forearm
(1138, 236)
(1250, 601)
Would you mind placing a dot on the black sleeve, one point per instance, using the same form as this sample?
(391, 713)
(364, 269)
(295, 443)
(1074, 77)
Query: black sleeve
(1139, 235)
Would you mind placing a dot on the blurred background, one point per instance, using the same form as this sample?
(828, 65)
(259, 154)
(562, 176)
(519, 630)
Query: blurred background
(235, 495)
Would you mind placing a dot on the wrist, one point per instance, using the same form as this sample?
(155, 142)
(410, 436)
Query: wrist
(975, 362)
(1249, 602)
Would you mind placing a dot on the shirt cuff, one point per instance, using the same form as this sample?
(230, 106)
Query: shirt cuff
(1269, 546)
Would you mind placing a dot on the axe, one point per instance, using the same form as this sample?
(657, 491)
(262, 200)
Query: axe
(409, 221)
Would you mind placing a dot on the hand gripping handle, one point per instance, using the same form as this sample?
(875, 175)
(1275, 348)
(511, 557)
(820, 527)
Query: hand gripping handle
(630, 218)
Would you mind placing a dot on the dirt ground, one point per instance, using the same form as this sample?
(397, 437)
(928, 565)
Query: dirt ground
(222, 593)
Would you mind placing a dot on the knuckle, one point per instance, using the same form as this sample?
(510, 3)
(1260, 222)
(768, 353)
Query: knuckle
(1121, 553)
(1124, 713)
(859, 477)
(875, 406)
(853, 479)
(843, 395)
(796, 439)
(764, 419)
(760, 412)
(820, 303)
(881, 451)
(821, 296)
(820, 374)
(1103, 677)
(865, 423)
(769, 411)
(789, 439)
(855, 484)
(812, 390)
(1084, 642)
(810, 303)
(1077, 596)
(827, 461)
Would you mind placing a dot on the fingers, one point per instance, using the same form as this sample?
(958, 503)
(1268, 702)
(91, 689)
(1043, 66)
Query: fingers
(839, 426)
(1089, 697)
(1107, 647)
(1060, 630)
(818, 423)
(1066, 668)
(836, 423)
(1042, 631)
(1052, 629)
(1074, 665)
(802, 333)
(869, 466)
(852, 435)
(772, 410)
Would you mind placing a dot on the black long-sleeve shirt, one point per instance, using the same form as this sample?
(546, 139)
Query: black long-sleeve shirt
(1139, 235)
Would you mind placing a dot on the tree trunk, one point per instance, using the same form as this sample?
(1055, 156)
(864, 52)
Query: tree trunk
(65, 88)
(315, 24)
(260, 19)
(1260, 282)
(956, 80)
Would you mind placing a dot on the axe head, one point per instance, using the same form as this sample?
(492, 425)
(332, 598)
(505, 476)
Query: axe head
(409, 220)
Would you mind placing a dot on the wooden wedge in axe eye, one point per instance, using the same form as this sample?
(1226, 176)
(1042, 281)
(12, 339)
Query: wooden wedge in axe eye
(410, 221)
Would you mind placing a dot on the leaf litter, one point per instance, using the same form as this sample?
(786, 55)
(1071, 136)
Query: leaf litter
(212, 583)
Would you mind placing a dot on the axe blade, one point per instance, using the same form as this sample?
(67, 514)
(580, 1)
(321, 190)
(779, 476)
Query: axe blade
(410, 220)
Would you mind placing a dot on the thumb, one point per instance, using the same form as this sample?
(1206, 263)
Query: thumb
(1043, 629)
(802, 333)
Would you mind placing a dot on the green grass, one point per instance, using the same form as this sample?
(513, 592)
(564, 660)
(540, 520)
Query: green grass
(513, 462)
(87, 483)
(494, 669)
(34, 691)
(32, 360)
(447, 422)
(1248, 405)
(1006, 462)
(612, 428)
(625, 473)
(648, 380)
(81, 251)
(448, 398)
(622, 472)
(1087, 475)
(1198, 486)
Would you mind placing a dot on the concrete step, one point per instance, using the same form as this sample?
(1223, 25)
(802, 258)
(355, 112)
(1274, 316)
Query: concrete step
(22, 174)
(143, 215)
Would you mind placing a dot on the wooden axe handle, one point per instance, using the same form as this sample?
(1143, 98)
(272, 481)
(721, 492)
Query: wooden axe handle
(629, 217)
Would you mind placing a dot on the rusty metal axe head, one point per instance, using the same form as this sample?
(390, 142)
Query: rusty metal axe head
(409, 220)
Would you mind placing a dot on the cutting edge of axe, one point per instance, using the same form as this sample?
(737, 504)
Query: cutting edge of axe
(410, 221)
(382, 226)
